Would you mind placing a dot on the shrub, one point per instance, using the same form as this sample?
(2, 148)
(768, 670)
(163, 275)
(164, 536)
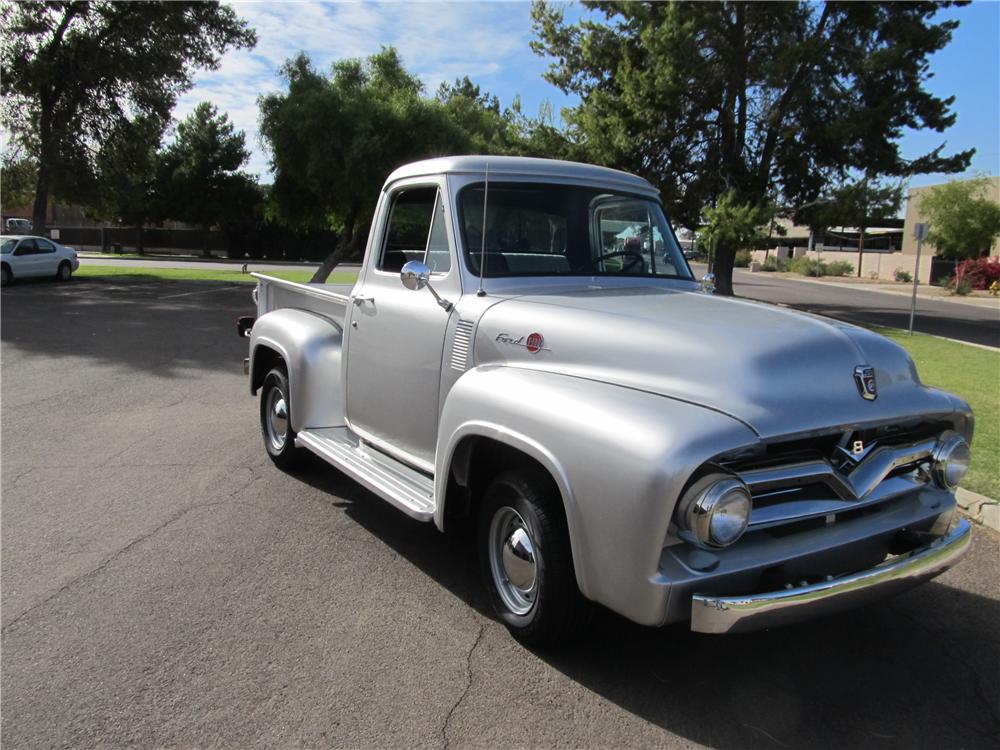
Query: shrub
(775, 264)
(840, 268)
(956, 285)
(809, 267)
(978, 272)
(743, 259)
(900, 275)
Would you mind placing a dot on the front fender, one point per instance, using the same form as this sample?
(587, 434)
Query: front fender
(311, 347)
(619, 456)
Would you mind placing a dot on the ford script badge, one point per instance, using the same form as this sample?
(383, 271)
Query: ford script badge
(864, 379)
(535, 343)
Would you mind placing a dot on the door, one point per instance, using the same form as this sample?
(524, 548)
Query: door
(24, 259)
(396, 337)
(46, 258)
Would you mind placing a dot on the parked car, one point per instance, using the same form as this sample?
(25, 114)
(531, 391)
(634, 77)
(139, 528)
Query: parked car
(619, 434)
(18, 226)
(23, 256)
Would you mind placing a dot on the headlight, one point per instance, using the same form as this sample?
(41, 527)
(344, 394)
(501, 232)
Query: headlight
(716, 510)
(951, 460)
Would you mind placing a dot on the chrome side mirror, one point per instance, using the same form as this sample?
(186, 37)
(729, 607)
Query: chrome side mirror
(415, 275)
(708, 283)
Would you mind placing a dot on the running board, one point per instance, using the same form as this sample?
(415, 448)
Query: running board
(406, 488)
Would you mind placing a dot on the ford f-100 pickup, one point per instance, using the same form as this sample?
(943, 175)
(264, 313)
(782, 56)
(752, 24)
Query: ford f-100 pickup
(527, 346)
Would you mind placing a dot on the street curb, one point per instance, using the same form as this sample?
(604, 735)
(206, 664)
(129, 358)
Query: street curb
(979, 508)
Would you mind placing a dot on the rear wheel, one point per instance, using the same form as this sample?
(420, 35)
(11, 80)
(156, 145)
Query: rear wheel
(526, 561)
(65, 271)
(275, 422)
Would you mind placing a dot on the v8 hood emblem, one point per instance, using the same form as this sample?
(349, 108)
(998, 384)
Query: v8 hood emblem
(864, 379)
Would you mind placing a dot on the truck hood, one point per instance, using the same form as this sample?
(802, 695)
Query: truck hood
(780, 372)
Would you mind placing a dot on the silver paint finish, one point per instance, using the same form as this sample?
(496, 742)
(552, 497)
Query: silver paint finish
(732, 614)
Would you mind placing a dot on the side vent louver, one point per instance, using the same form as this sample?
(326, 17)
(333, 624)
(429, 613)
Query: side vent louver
(461, 345)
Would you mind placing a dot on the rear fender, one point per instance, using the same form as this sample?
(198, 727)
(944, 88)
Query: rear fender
(311, 347)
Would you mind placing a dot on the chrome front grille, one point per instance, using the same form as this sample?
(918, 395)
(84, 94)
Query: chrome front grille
(461, 345)
(816, 488)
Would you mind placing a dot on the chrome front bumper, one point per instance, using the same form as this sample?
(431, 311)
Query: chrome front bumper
(735, 614)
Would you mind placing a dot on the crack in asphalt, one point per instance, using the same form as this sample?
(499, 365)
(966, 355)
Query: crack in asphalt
(138, 540)
(94, 571)
(468, 686)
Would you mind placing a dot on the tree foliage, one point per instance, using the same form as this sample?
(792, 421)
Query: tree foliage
(18, 173)
(127, 169)
(964, 220)
(770, 100)
(733, 223)
(200, 170)
(75, 71)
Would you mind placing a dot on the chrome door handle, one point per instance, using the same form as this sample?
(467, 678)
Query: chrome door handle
(360, 299)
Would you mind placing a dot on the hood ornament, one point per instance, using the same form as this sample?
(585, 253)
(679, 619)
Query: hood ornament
(864, 379)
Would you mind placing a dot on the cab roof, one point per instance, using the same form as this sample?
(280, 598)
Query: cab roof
(525, 168)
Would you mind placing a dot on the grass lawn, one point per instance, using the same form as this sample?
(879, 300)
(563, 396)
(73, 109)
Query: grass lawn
(973, 374)
(198, 274)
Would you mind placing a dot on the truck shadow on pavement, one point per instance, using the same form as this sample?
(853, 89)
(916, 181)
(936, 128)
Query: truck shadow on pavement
(917, 670)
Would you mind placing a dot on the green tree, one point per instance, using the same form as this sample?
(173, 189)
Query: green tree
(771, 100)
(17, 179)
(735, 224)
(964, 221)
(334, 140)
(200, 173)
(73, 71)
(127, 168)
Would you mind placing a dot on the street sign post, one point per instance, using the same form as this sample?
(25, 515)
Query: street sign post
(920, 232)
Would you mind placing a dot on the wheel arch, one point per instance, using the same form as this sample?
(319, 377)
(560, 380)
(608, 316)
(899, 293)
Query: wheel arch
(478, 451)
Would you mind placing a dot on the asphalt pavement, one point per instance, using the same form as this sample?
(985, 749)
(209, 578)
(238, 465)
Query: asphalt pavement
(977, 324)
(165, 585)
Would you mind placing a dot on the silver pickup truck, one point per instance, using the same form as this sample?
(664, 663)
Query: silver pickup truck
(527, 346)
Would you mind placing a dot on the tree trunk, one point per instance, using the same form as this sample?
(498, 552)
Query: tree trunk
(138, 238)
(206, 246)
(345, 241)
(39, 210)
(861, 249)
(722, 267)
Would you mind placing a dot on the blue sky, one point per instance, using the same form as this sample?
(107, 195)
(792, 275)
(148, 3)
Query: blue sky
(488, 41)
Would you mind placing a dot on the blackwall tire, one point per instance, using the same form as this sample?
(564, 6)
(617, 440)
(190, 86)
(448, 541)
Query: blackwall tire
(526, 561)
(275, 424)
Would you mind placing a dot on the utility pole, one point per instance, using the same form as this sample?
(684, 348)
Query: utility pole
(920, 232)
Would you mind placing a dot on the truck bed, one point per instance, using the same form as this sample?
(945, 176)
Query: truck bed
(328, 300)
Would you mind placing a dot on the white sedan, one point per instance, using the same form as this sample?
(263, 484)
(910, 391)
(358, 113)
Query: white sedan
(22, 256)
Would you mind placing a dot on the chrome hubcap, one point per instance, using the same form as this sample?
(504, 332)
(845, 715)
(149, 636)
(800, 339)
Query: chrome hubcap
(512, 560)
(277, 419)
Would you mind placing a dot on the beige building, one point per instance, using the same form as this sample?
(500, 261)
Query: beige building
(881, 263)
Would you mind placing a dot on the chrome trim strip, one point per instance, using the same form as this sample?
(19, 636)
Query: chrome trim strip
(856, 485)
(732, 614)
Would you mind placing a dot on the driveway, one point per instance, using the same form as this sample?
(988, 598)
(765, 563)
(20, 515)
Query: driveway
(165, 585)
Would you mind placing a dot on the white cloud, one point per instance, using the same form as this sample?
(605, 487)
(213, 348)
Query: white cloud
(438, 41)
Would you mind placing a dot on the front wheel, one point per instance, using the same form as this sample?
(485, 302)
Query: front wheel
(275, 424)
(65, 272)
(5, 275)
(526, 561)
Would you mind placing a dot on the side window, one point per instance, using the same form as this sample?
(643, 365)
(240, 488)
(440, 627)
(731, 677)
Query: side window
(27, 247)
(408, 229)
(44, 246)
(438, 257)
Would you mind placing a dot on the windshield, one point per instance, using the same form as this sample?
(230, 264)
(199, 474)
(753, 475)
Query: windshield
(564, 230)
(7, 246)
